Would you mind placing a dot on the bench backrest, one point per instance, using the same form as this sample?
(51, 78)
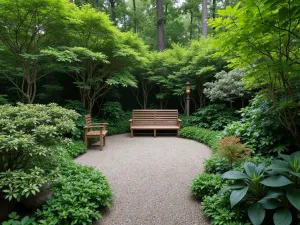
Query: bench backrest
(155, 117)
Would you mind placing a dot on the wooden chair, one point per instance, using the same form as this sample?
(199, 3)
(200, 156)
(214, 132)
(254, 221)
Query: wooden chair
(90, 133)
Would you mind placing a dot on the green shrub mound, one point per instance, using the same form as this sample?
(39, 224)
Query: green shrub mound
(206, 184)
(74, 148)
(77, 198)
(29, 135)
(219, 211)
(212, 117)
(208, 137)
(216, 164)
(259, 127)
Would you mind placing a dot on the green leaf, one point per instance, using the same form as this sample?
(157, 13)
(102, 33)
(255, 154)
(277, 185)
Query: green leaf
(256, 214)
(234, 175)
(237, 195)
(279, 165)
(231, 186)
(250, 169)
(271, 203)
(282, 216)
(294, 198)
(276, 181)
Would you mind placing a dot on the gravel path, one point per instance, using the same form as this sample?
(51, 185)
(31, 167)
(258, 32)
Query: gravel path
(150, 178)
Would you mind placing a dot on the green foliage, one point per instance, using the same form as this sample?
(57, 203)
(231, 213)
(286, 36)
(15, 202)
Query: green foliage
(15, 220)
(28, 136)
(267, 189)
(113, 111)
(74, 148)
(211, 138)
(17, 184)
(216, 165)
(218, 210)
(206, 184)
(258, 128)
(212, 117)
(77, 198)
(258, 31)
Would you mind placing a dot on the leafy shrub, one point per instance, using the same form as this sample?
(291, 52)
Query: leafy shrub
(211, 138)
(77, 134)
(77, 198)
(218, 209)
(275, 190)
(231, 149)
(113, 111)
(216, 164)
(258, 128)
(206, 184)
(212, 117)
(28, 134)
(74, 148)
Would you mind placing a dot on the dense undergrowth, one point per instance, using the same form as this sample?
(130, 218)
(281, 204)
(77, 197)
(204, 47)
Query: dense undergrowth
(36, 156)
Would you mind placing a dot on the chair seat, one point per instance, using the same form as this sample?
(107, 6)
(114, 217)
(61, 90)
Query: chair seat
(96, 133)
(152, 127)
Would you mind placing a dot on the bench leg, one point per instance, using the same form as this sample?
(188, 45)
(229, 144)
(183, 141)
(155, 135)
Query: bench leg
(177, 133)
(154, 132)
(104, 139)
(131, 133)
(101, 143)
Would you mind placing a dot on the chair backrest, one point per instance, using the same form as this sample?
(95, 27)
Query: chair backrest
(155, 117)
(88, 120)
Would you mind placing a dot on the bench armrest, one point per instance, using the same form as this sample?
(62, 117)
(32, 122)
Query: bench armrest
(100, 123)
(94, 127)
(130, 120)
(179, 120)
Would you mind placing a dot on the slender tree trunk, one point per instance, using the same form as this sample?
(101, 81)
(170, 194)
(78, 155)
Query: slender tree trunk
(204, 18)
(113, 10)
(160, 25)
(191, 25)
(226, 3)
(135, 19)
(214, 7)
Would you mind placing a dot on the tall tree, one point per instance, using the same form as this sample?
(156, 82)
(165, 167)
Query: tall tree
(160, 25)
(204, 18)
(134, 16)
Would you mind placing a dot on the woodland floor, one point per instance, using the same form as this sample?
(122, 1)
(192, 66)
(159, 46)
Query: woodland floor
(150, 178)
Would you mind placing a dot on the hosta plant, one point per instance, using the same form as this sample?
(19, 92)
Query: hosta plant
(274, 189)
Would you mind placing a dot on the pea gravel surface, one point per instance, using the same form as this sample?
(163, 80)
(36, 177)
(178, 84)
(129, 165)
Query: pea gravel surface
(150, 178)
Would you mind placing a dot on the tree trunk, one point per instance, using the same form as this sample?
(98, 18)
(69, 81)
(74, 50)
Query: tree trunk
(113, 10)
(226, 3)
(135, 21)
(214, 7)
(191, 25)
(204, 18)
(160, 25)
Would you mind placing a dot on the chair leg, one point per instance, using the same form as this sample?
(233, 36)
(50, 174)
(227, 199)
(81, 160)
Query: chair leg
(131, 133)
(86, 141)
(101, 143)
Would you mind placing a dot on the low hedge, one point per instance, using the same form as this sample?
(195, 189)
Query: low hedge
(208, 137)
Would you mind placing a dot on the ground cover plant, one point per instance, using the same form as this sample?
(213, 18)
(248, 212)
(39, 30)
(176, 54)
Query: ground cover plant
(36, 155)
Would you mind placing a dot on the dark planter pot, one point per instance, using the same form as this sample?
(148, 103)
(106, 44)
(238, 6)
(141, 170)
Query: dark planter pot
(36, 201)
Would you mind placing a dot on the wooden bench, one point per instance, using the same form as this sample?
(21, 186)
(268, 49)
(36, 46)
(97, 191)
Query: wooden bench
(89, 132)
(154, 120)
